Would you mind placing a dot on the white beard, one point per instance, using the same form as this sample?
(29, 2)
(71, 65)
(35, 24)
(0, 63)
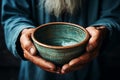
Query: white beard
(57, 7)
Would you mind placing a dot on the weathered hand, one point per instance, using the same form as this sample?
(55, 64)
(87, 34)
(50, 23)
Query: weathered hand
(30, 52)
(92, 50)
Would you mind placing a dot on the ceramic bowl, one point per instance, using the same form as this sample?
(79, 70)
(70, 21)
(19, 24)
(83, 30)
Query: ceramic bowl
(59, 42)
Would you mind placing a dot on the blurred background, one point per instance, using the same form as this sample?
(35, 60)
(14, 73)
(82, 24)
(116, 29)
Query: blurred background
(9, 65)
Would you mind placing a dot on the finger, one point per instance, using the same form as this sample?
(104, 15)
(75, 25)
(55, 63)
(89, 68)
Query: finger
(76, 63)
(83, 59)
(26, 42)
(70, 68)
(64, 68)
(79, 62)
(48, 66)
(94, 40)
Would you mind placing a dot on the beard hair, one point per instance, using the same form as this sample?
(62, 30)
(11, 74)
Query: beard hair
(58, 7)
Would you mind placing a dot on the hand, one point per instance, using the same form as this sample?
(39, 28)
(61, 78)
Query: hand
(30, 52)
(92, 50)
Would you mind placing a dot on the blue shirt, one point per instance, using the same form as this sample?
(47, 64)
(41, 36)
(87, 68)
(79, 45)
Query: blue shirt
(20, 14)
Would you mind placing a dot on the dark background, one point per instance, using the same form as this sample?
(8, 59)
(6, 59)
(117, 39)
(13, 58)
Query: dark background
(9, 65)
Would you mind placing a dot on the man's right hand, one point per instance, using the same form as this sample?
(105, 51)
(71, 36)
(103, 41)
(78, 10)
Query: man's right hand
(30, 52)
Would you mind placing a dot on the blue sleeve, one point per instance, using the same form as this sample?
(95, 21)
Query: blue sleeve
(109, 12)
(16, 16)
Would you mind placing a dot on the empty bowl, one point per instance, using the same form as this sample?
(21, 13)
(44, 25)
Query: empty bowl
(60, 42)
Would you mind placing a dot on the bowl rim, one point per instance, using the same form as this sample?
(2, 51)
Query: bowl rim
(61, 47)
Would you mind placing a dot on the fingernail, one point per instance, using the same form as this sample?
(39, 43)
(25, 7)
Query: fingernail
(32, 51)
(58, 72)
(62, 71)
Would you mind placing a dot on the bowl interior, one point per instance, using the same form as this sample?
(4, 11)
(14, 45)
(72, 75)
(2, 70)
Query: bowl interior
(59, 34)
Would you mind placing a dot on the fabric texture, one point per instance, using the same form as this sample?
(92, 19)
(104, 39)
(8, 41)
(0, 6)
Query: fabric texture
(20, 14)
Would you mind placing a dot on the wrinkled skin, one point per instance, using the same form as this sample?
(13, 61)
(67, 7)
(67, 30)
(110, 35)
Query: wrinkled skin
(92, 50)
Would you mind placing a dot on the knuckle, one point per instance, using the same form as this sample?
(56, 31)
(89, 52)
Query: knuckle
(22, 38)
(26, 45)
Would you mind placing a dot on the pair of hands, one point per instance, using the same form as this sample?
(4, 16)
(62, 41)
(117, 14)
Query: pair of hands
(92, 50)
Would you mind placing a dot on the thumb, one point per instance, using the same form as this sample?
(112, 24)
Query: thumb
(26, 42)
(32, 50)
(94, 39)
